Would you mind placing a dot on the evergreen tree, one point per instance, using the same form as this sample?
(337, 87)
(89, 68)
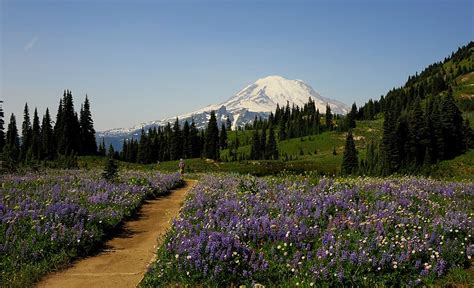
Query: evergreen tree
(111, 152)
(187, 144)
(68, 126)
(87, 131)
(228, 124)
(417, 135)
(102, 151)
(26, 133)
(350, 163)
(134, 151)
(452, 128)
(431, 153)
(390, 148)
(47, 138)
(255, 146)
(223, 137)
(263, 144)
(282, 131)
(272, 150)
(11, 151)
(195, 140)
(329, 118)
(212, 138)
(12, 138)
(369, 111)
(371, 161)
(235, 146)
(351, 117)
(36, 137)
(110, 172)
(176, 142)
(124, 155)
(144, 152)
(58, 125)
(468, 134)
(2, 131)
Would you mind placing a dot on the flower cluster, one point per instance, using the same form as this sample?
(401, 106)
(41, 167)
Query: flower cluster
(43, 216)
(340, 232)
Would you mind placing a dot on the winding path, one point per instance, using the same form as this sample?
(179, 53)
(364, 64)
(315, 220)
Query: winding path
(125, 259)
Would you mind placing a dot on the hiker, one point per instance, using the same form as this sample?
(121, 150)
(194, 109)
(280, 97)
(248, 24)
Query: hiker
(181, 166)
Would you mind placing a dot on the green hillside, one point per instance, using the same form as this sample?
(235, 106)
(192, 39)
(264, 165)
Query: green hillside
(315, 152)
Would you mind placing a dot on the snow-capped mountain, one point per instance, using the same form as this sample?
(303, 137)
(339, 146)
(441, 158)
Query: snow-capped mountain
(257, 99)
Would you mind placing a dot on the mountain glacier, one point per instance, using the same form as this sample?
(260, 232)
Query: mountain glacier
(257, 99)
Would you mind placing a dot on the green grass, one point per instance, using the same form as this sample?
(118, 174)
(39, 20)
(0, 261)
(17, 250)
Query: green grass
(456, 277)
(301, 156)
(316, 151)
(465, 87)
(461, 167)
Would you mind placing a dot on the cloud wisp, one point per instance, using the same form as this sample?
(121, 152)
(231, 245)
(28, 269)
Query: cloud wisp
(31, 43)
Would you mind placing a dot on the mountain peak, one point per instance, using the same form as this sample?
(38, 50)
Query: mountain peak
(272, 78)
(265, 93)
(257, 99)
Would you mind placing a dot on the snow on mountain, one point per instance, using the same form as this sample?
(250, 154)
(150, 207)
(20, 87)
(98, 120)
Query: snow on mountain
(266, 93)
(257, 99)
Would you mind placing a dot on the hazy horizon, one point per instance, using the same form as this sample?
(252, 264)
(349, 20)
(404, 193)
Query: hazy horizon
(145, 61)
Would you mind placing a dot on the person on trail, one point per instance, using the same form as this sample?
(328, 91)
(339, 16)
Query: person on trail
(181, 166)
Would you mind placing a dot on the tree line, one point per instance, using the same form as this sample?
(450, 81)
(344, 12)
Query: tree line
(295, 121)
(423, 123)
(72, 134)
(174, 142)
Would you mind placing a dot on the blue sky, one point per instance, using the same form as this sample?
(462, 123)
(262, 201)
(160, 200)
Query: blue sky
(146, 60)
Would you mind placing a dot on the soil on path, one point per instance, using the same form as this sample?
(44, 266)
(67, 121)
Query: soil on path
(125, 259)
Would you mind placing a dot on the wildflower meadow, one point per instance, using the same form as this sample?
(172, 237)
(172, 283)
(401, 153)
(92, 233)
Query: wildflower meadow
(332, 232)
(48, 219)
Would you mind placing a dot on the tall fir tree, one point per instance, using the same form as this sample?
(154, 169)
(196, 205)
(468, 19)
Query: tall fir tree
(272, 149)
(176, 142)
(58, 124)
(195, 140)
(372, 162)
(36, 137)
(2, 129)
(235, 146)
(144, 152)
(329, 118)
(255, 145)
(26, 133)
(102, 151)
(212, 138)
(47, 138)
(416, 145)
(452, 127)
(187, 144)
(111, 152)
(87, 131)
(263, 144)
(282, 130)
(68, 126)
(350, 163)
(11, 151)
(351, 117)
(223, 137)
(431, 151)
(390, 148)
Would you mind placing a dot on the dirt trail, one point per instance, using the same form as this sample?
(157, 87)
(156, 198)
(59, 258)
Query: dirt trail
(124, 261)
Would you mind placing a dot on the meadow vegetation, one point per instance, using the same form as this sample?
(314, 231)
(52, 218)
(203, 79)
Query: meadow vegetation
(48, 219)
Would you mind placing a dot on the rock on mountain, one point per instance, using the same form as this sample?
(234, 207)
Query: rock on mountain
(257, 99)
